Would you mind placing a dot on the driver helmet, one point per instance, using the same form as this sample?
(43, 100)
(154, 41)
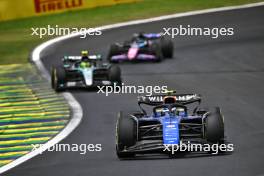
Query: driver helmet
(84, 55)
(141, 35)
(138, 37)
(169, 99)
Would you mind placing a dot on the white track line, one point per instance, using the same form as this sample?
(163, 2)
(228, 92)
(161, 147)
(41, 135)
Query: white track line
(77, 112)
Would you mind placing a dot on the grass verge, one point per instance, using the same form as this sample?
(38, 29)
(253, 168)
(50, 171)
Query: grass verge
(30, 112)
(15, 36)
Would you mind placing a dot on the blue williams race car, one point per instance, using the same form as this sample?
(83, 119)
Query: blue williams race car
(142, 47)
(84, 71)
(170, 123)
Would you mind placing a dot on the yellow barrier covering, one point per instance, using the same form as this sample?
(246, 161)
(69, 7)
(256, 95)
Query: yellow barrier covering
(13, 9)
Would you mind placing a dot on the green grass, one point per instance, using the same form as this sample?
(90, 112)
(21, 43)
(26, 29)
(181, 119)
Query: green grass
(15, 36)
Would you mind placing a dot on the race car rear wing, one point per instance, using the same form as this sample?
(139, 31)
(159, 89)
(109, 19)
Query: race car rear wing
(152, 35)
(183, 99)
(78, 58)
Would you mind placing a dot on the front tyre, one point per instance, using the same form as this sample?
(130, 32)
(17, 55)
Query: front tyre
(58, 79)
(114, 74)
(214, 126)
(167, 48)
(155, 49)
(114, 50)
(126, 135)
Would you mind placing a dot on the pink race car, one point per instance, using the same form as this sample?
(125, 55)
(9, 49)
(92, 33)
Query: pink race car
(142, 47)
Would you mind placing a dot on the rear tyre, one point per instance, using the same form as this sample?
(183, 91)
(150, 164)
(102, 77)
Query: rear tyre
(155, 49)
(58, 79)
(167, 48)
(115, 74)
(126, 135)
(214, 126)
(53, 72)
(114, 50)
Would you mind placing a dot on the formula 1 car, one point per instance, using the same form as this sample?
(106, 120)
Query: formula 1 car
(87, 71)
(169, 123)
(142, 47)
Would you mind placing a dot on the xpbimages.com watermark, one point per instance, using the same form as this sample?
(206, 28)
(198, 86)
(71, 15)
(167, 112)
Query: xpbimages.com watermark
(188, 30)
(60, 31)
(80, 148)
(194, 147)
(131, 89)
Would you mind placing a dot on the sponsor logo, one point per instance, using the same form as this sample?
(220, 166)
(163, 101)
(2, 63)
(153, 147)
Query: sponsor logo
(131, 89)
(81, 148)
(42, 6)
(178, 98)
(59, 31)
(188, 30)
(194, 147)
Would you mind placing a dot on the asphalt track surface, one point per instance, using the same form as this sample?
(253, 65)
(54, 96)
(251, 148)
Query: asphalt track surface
(228, 71)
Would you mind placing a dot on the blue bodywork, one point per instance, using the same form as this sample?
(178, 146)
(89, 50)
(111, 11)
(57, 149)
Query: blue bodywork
(170, 125)
(169, 115)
